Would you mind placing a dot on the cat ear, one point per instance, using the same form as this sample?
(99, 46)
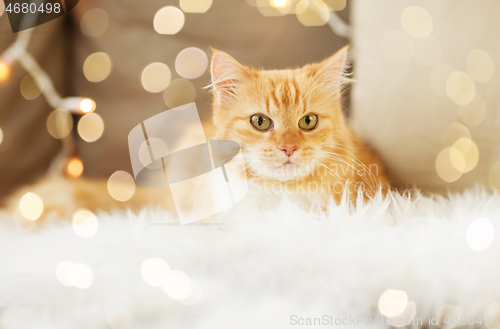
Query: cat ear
(227, 73)
(332, 70)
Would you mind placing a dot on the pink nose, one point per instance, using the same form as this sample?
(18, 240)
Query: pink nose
(288, 149)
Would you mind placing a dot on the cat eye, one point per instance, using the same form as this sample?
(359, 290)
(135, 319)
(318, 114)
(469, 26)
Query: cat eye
(261, 122)
(308, 122)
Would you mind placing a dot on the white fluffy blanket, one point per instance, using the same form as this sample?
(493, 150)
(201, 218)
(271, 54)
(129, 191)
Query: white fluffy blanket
(272, 269)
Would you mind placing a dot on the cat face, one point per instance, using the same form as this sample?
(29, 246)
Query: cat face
(286, 121)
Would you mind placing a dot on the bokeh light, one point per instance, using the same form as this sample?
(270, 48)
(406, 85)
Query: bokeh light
(178, 285)
(392, 302)
(87, 105)
(2, 8)
(494, 176)
(155, 271)
(195, 296)
(94, 22)
(156, 77)
(119, 319)
(158, 149)
(29, 88)
(168, 20)
(460, 88)
(405, 318)
(273, 7)
(278, 3)
(448, 312)
(473, 113)
(31, 206)
(312, 12)
(81, 276)
(85, 223)
(453, 132)
(59, 123)
(121, 185)
(480, 234)
(62, 272)
(191, 63)
(336, 5)
(427, 51)
(479, 65)
(397, 47)
(493, 310)
(416, 21)
(446, 163)
(469, 152)
(196, 6)
(97, 67)
(1, 136)
(75, 167)
(438, 77)
(179, 92)
(4, 69)
(90, 127)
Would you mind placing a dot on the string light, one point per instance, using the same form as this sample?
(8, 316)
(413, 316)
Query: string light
(75, 167)
(4, 71)
(17, 52)
(87, 105)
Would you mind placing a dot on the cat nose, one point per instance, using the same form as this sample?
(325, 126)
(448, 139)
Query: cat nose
(288, 149)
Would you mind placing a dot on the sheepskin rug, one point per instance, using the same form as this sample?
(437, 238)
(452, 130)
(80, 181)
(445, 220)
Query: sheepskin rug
(277, 268)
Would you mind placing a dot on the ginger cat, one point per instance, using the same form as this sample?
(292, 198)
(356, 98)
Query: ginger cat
(290, 126)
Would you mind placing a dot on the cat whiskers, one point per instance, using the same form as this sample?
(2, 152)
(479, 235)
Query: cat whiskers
(362, 174)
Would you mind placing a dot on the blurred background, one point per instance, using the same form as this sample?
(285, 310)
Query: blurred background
(424, 94)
